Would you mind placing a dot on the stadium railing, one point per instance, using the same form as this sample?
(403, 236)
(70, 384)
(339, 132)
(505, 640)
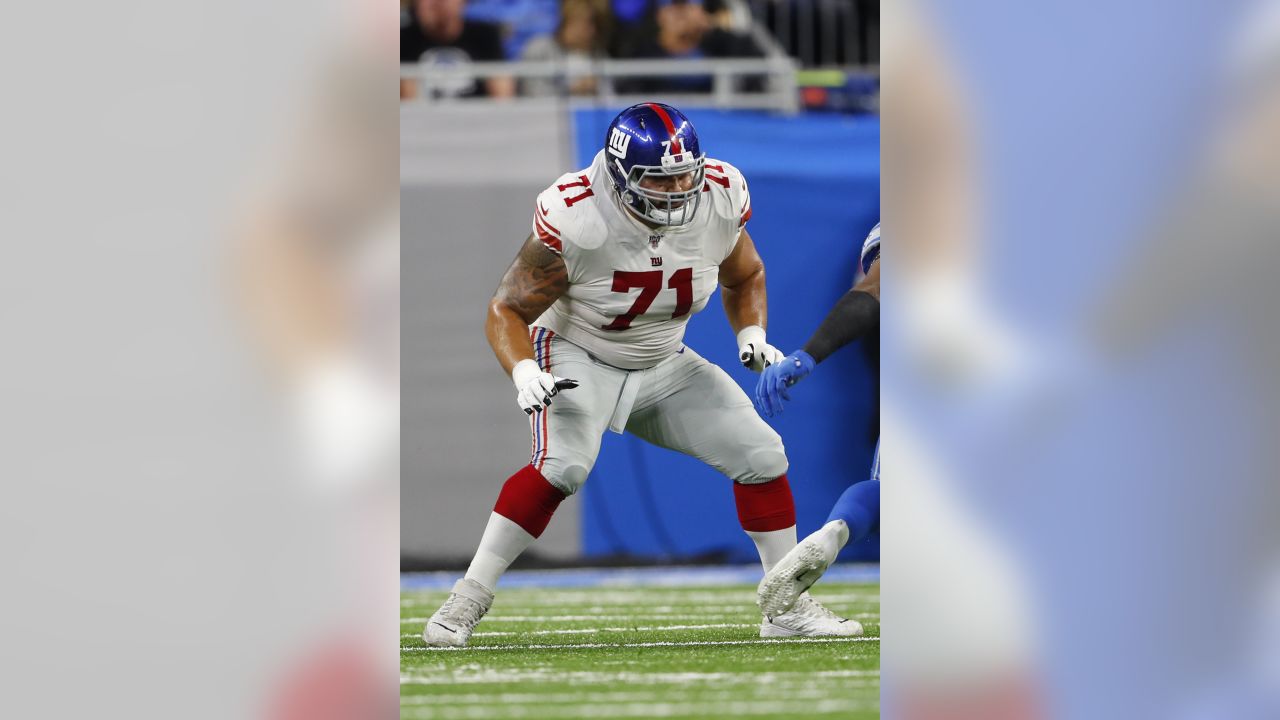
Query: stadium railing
(779, 87)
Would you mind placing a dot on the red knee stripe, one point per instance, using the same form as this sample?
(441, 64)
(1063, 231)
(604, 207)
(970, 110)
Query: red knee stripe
(528, 500)
(765, 507)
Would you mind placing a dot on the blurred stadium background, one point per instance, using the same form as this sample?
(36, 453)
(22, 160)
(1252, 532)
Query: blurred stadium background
(499, 97)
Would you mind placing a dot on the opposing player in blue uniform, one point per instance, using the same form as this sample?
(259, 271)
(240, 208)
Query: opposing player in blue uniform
(857, 513)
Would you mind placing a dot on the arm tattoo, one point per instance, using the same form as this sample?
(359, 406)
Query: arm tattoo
(536, 279)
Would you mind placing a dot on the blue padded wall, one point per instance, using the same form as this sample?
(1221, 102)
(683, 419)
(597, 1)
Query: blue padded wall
(815, 192)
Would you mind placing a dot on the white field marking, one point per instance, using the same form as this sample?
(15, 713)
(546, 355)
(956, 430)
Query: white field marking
(644, 710)
(633, 611)
(593, 618)
(516, 598)
(690, 643)
(800, 691)
(592, 604)
(491, 620)
(478, 674)
(590, 631)
(641, 607)
(649, 589)
(652, 628)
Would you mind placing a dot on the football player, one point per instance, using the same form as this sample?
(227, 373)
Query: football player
(588, 322)
(857, 512)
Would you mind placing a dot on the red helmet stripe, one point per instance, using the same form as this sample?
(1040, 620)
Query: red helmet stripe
(671, 128)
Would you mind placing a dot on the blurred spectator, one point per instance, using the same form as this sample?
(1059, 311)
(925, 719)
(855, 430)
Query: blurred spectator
(580, 39)
(685, 30)
(720, 14)
(439, 36)
(634, 24)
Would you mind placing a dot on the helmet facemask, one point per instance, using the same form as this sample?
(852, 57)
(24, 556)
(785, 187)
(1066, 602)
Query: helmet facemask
(664, 208)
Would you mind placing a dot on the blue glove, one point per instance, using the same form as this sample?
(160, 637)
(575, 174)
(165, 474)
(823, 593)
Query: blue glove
(771, 390)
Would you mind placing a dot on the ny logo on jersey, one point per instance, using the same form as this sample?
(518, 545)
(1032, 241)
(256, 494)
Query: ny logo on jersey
(655, 262)
(618, 142)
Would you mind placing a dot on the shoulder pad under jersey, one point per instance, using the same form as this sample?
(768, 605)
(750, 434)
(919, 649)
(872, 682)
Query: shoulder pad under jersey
(566, 210)
(723, 178)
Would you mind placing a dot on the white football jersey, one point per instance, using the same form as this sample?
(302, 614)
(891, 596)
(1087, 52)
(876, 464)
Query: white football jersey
(632, 288)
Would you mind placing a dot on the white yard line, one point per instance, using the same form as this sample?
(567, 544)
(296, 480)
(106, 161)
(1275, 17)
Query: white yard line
(590, 631)
(692, 643)
(801, 690)
(515, 597)
(614, 618)
(587, 618)
(478, 674)
(594, 605)
(644, 710)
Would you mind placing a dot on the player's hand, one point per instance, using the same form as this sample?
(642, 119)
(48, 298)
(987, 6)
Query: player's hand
(753, 352)
(535, 388)
(771, 390)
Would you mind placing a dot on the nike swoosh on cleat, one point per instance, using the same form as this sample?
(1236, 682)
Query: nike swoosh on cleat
(455, 632)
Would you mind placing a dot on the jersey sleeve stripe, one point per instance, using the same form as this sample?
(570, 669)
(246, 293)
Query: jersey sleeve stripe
(544, 214)
(745, 216)
(547, 234)
(545, 227)
(551, 241)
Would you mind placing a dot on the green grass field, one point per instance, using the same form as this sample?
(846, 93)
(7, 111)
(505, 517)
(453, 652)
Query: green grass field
(640, 652)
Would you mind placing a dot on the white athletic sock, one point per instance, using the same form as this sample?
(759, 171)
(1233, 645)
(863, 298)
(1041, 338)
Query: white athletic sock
(773, 545)
(501, 544)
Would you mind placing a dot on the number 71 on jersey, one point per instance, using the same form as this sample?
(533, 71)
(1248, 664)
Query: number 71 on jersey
(650, 284)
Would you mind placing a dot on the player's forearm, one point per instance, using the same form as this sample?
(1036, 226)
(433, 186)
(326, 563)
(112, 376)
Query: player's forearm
(508, 335)
(854, 315)
(745, 302)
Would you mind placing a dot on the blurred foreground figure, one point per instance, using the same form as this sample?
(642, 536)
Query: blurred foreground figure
(318, 273)
(591, 316)
(1198, 308)
(957, 641)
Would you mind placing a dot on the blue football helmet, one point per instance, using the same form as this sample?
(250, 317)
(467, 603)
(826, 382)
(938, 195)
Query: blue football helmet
(655, 140)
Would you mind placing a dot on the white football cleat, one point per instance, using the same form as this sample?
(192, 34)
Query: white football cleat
(452, 624)
(799, 569)
(808, 619)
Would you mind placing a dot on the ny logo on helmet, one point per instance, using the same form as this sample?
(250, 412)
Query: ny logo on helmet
(618, 142)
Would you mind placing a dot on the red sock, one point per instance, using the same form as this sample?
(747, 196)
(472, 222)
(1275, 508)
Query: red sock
(765, 507)
(528, 500)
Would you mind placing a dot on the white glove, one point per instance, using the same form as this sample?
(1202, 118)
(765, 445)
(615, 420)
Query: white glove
(534, 388)
(754, 352)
